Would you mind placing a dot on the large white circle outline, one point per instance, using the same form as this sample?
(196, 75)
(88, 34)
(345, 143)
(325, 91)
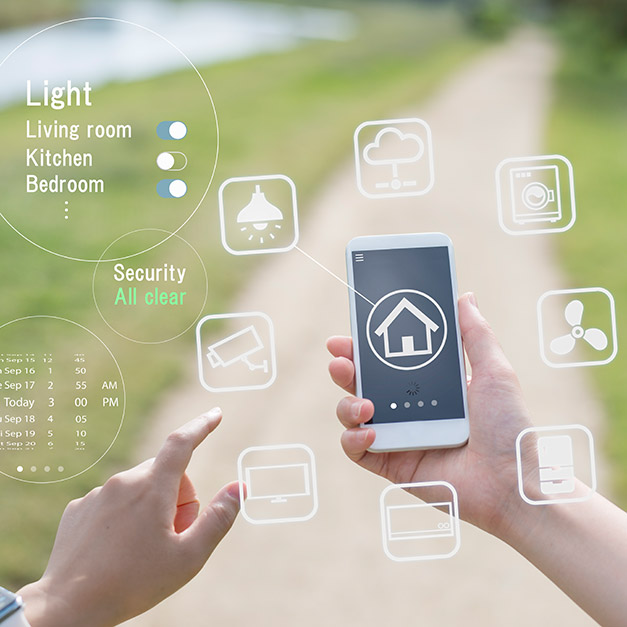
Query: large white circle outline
(387, 363)
(213, 108)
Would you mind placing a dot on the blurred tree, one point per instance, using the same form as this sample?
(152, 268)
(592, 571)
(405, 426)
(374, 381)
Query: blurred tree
(13, 13)
(491, 18)
(609, 15)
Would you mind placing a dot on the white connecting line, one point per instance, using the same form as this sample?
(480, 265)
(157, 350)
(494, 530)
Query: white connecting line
(334, 275)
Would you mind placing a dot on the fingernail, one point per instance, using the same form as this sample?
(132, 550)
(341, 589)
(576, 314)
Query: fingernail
(473, 299)
(357, 409)
(365, 434)
(213, 413)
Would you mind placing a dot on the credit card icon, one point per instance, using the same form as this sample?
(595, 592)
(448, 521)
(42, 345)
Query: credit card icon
(420, 521)
(415, 529)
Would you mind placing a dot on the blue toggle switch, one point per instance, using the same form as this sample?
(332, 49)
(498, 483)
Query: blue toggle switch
(171, 130)
(171, 188)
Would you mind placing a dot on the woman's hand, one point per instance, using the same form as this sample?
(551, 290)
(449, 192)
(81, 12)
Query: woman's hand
(482, 471)
(134, 541)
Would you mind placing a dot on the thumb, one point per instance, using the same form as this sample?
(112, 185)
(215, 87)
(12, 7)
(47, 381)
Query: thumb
(483, 349)
(214, 522)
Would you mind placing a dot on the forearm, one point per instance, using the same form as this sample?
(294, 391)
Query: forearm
(582, 548)
(39, 609)
(43, 609)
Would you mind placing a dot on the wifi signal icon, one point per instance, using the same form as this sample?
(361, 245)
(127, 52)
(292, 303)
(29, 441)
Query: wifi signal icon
(577, 327)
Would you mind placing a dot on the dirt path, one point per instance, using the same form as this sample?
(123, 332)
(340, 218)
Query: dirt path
(332, 570)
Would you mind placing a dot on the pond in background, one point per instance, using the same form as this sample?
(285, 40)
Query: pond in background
(207, 32)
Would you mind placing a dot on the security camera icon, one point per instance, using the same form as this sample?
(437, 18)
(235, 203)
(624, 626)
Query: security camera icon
(237, 347)
(241, 358)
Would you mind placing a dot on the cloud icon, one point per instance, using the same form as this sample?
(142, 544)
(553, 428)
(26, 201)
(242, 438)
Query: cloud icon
(391, 147)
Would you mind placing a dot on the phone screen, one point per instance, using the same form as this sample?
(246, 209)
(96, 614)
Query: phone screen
(407, 335)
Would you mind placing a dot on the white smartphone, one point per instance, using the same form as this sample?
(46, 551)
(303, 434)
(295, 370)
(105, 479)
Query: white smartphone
(407, 346)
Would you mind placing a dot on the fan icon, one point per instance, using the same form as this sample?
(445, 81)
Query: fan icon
(564, 344)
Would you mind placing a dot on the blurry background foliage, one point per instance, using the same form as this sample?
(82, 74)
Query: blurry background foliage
(269, 106)
(13, 13)
(405, 49)
(491, 18)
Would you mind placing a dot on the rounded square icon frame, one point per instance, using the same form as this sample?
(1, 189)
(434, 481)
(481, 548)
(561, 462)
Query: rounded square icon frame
(420, 484)
(248, 179)
(575, 364)
(428, 148)
(593, 472)
(251, 314)
(314, 483)
(571, 186)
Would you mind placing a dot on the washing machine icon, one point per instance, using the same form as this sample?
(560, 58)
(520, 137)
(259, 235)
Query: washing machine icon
(535, 194)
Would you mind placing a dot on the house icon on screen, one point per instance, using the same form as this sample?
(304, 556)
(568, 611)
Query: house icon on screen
(411, 342)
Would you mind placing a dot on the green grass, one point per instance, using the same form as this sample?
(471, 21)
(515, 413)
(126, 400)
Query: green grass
(21, 13)
(293, 113)
(589, 126)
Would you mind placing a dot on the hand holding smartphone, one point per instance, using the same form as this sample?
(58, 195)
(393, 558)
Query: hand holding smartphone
(406, 341)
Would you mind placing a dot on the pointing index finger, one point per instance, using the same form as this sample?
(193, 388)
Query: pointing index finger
(176, 452)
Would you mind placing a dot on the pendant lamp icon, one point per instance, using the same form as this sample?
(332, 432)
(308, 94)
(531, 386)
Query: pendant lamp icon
(259, 217)
(564, 344)
(258, 214)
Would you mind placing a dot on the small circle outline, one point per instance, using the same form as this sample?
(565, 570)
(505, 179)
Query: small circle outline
(545, 196)
(444, 336)
(130, 339)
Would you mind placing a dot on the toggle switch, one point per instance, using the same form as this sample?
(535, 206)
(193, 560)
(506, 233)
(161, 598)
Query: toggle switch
(171, 188)
(171, 130)
(172, 161)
